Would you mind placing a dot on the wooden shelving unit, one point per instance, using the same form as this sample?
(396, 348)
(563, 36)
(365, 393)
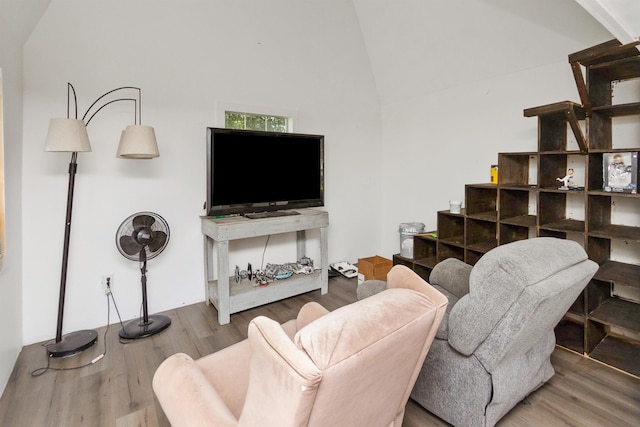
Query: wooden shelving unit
(601, 324)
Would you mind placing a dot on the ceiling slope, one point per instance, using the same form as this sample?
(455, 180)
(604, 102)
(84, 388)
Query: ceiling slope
(418, 47)
(620, 17)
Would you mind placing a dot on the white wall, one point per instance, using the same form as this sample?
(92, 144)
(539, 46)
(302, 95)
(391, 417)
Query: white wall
(186, 56)
(16, 22)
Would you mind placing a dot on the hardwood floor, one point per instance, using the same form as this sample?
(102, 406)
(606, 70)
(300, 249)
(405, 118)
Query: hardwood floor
(116, 391)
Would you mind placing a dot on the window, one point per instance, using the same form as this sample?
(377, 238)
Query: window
(238, 120)
(251, 117)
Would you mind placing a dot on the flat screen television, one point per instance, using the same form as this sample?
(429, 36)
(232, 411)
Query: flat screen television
(255, 171)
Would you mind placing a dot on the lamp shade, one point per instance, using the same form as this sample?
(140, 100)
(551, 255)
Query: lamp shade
(67, 135)
(138, 142)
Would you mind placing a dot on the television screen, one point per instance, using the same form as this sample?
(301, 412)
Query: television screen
(256, 171)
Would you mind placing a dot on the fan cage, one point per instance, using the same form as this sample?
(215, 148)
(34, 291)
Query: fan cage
(127, 229)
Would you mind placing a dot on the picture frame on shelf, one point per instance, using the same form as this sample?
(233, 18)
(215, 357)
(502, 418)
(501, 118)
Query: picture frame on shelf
(620, 172)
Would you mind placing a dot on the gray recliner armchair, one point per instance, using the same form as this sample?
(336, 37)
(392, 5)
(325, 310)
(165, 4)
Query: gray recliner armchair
(493, 346)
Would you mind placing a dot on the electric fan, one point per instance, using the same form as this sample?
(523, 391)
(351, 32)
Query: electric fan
(141, 237)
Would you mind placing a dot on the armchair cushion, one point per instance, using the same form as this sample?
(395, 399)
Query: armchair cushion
(330, 340)
(443, 329)
(451, 275)
(351, 343)
(307, 314)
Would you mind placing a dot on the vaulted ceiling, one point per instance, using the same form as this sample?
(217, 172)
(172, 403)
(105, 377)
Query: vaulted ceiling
(418, 47)
(421, 46)
(620, 17)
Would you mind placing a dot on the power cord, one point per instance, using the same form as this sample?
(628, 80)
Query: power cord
(121, 340)
(40, 371)
(264, 251)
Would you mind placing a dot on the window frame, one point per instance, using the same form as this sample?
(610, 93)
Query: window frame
(222, 108)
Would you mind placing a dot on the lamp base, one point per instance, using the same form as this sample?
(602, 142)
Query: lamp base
(73, 343)
(137, 328)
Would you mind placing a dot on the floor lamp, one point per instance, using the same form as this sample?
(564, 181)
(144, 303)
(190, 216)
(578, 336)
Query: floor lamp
(70, 135)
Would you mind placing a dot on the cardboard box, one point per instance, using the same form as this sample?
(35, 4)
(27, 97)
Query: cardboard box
(620, 172)
(375, 267)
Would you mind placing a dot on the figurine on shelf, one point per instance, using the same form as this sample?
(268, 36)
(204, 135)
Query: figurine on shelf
(567, 181)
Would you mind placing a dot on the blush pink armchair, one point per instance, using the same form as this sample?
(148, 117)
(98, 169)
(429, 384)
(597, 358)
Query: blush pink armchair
(354, 366)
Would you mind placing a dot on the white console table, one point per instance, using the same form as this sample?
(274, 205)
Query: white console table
(236, 297)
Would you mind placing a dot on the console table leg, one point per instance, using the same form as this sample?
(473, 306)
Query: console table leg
(300, 244)
(224, 307)
(207, 267)
(324, 261)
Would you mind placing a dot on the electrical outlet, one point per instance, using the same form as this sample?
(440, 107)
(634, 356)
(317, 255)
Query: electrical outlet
(107, 283)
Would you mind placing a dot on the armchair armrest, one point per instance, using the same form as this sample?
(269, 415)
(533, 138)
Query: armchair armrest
(308, 313)
(187, 397)
(369, 288)
(452, 275)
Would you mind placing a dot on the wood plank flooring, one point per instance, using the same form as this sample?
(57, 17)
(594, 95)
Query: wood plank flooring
(116, 391)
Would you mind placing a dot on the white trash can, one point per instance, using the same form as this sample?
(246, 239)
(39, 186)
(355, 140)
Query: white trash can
(407, 230)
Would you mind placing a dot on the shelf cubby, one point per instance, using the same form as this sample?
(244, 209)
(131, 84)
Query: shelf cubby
(595, 178)
(600, 219)
(595, 171)
(620, 352)
(451, 228)
(553, 123)
(617, 312)
(555, 166)
(481, 236)
(570, 334)
(517, 170)
(578, 307)
(471, 256)
(552, 166)
(450, 235)
(552, 233)
(595, 294)
(601, 77)
(446, 250)
(425, 248)
(422, 271)
(515, 207)
(552, 211)
(481, 201)
(511, 233)
(619, 272)
(600, 135)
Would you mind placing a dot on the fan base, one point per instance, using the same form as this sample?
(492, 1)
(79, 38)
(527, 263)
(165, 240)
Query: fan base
(73, 343)
(136, 329)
